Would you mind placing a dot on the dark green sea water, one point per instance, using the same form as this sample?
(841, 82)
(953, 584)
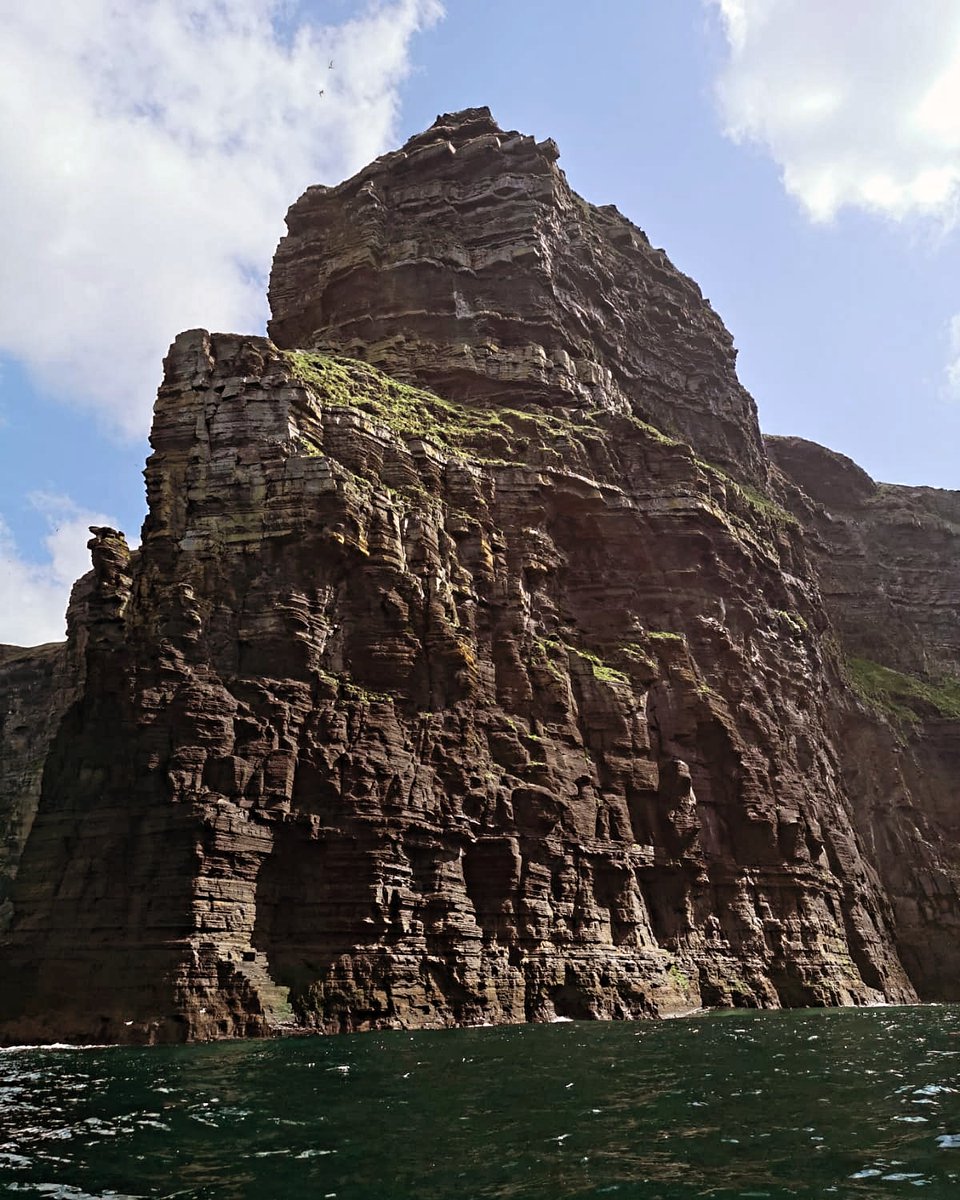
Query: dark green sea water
(819, 1103)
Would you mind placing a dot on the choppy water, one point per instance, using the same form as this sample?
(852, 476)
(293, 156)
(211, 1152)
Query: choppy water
(828, 1103)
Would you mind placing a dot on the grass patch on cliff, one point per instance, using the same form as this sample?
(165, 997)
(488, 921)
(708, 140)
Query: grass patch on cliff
(492, 435)
(651, 431)
(544, 654)
(348, 688)
(797, 624)
(413, 412)
(679, 977)
(602, 671)
(409, 411)
(756, 501)
(766, 507)
(635, 653)
(903, 697)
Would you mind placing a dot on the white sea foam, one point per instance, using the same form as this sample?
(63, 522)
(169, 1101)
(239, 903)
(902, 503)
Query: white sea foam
(54, 1046)
(66, 1191)
(14, 1160)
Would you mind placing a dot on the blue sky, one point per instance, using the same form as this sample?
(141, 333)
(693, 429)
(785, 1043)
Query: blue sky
(800, 162)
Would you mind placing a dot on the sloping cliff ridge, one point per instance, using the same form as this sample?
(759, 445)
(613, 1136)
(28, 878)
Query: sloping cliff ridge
(546, 691)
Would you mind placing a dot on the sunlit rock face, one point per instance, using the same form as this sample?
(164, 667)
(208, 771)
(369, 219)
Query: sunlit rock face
(509, 700)
(465, 263)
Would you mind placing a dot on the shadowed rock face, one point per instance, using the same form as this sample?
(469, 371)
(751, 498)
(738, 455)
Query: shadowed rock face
(496, 704)
(465, 263)
(891, 574)
(36, 688)
(888, 559)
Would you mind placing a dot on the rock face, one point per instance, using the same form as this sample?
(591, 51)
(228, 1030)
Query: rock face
(498, 702)
(465, 263)
(888, 560)
(36, 688)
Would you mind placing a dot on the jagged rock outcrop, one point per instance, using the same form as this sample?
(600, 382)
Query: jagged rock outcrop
(491, 703)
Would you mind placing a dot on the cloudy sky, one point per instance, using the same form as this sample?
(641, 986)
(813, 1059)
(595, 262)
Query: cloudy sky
(799, 158)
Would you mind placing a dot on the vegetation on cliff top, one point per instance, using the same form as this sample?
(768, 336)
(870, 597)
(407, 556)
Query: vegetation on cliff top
(408, 411)
(414, 412)
(507, 435)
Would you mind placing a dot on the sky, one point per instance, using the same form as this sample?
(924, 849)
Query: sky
(799, 158)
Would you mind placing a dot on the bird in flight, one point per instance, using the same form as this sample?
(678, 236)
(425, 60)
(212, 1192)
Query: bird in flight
(320, 92)
(330, 68)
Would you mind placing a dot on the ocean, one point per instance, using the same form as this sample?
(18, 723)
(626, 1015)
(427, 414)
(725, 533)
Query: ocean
(811, 1103)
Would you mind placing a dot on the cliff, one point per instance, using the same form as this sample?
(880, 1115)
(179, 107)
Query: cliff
(478, 662)
(888, 560)
(36, 687)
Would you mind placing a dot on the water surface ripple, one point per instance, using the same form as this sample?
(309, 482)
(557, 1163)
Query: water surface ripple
(848, 1103)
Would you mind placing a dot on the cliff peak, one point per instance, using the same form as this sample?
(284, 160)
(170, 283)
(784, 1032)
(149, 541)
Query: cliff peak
(464, 262)
(459, 127)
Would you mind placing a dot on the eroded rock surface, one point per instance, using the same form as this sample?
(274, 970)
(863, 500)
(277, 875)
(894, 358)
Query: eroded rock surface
(36, 688)
(888, 558)
(492, 703)
(465, 263)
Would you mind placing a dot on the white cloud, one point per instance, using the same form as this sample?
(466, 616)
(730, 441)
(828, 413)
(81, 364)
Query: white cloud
(33, 596)
(858, 103)
(149, 150)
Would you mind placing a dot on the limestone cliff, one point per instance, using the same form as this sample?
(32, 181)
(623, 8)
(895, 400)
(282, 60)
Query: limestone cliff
(512, 698)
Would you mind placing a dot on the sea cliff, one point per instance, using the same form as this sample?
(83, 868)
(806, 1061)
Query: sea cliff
(480, 660)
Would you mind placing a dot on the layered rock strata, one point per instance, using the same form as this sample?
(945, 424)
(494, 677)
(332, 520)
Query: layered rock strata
(888, 559)
(490, 703)
(36, 688)
(464, 262)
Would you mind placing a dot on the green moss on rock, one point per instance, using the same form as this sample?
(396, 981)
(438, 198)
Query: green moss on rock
(903, 697)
